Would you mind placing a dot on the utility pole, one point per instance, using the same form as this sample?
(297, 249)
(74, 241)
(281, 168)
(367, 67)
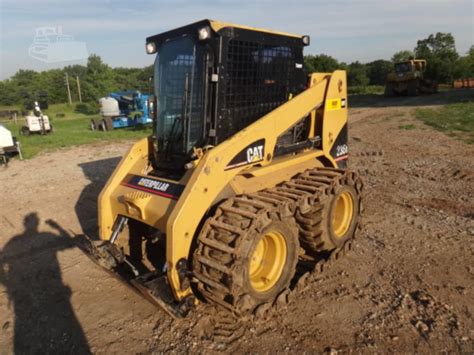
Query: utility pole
(79, 88)
(68, 89)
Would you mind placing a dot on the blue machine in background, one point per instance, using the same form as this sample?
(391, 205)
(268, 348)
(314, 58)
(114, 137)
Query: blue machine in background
(123, 109)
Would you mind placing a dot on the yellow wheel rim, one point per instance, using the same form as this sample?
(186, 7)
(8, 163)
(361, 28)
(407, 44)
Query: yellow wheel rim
(342, 214)
(267, 261)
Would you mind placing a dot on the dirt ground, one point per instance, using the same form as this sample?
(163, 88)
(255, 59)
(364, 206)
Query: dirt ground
(407, 286)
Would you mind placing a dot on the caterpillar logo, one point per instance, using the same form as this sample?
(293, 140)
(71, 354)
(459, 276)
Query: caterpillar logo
(252, 153)
(255, 154)
(153, 186)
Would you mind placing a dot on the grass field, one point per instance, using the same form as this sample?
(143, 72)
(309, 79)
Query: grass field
(407, 126)
(73, 129)
(363, 90)
(456, 120)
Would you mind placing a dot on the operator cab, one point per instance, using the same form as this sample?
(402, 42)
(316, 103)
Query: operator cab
(404, 67)
(213, 79)
(410, 65)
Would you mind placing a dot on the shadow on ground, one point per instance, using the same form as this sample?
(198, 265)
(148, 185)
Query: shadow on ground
(440, 98)
(45, 322)
(86, 206)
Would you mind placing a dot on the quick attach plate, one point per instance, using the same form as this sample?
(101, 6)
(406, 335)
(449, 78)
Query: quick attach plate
(152, 286)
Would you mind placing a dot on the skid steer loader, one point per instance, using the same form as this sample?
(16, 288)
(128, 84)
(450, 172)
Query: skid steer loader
(244, 174)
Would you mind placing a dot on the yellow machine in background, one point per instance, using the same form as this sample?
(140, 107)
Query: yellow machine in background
(244, 174)
(407, 79)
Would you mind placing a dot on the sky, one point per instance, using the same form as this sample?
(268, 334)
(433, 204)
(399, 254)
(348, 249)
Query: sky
(362, 30)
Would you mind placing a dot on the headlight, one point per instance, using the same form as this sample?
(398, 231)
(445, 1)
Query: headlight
(150, 48)
(204, 33)
(306, 40)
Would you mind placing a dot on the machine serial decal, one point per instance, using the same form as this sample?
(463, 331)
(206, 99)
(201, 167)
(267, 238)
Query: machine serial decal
(154, 186)
(253, 153)
(335, 104)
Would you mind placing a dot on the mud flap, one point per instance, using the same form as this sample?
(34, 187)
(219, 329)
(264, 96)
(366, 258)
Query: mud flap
(152, 286)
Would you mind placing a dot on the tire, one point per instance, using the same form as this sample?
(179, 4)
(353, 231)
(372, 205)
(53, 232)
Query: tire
(24, 131)
(102, 126)
(109, 124)
(233, 268)
(388, 90)
(94, 125)
(342, 215)
(413, 88)
(321, 228)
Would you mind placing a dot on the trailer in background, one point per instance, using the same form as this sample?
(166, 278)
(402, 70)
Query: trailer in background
(465, 83)
(123, 109)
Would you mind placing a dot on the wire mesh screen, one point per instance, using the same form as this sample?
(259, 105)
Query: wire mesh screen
(174, 76)
(258, 80)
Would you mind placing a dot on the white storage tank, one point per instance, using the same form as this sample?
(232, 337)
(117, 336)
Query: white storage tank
(109, 107)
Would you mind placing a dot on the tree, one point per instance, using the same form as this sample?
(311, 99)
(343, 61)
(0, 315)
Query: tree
(321, 63)
(464, 67)
(8, 93)
(99, 79)
(378, 70)
(440, 52)
(357, 74)
(402, 56)
(145, 75)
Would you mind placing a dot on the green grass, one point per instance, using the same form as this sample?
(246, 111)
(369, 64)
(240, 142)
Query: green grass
(369, 89)
(52, 111)
(65, 109)
(407, 126)
(456, 120)
(70, 130)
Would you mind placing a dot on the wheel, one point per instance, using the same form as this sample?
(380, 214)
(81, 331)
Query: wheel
(102, 126)
(94, 124)
(334, 217)
(246, 255)
(413, 88)
(388, 90)
(109, 123)
(24, 131)
(267, 261)
(343, 210)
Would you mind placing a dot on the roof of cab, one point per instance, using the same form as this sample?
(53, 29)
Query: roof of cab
(216, 26)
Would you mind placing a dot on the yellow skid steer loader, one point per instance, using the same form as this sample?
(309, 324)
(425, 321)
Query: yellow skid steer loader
(244, 174)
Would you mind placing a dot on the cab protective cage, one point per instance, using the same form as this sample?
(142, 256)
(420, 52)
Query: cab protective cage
(247, 73)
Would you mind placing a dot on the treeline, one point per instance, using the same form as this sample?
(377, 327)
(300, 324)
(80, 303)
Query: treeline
(97, 78)
(444, 63)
